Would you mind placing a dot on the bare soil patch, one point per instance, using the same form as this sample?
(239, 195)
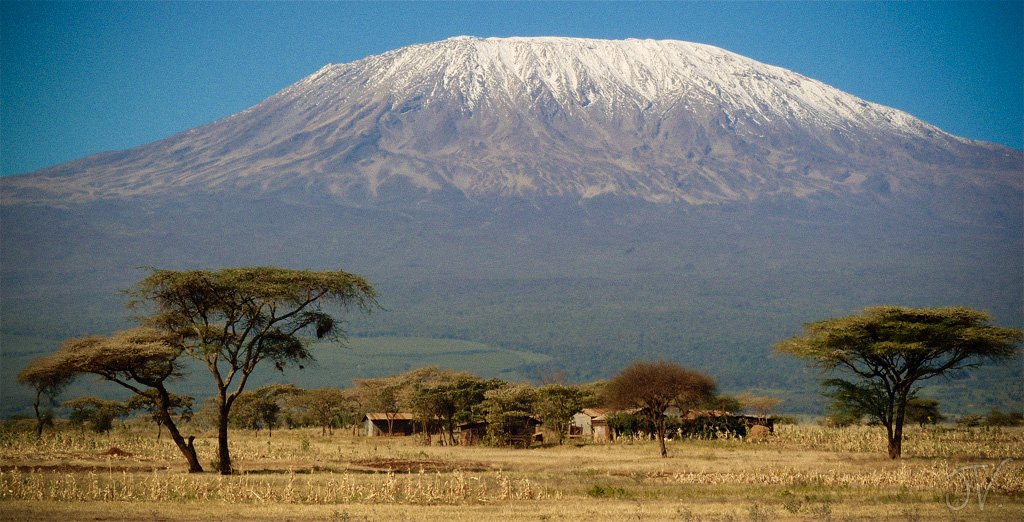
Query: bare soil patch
(117, 452)
(417, 465)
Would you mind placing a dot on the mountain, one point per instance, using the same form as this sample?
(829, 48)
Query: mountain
(471, 118)
(591, 202)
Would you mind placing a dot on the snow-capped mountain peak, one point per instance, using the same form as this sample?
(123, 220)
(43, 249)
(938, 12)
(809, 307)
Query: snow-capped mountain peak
(609, 76)
(664, 121)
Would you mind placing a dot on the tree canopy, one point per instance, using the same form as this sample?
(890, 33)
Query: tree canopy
(235, 318)
(48, 381)
(886, 350)
(654, 387)
(140, 359)
(98, 413)
(510, 410)
(322, 405)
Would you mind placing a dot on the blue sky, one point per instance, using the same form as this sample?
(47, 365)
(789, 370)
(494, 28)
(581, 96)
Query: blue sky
(78, 78)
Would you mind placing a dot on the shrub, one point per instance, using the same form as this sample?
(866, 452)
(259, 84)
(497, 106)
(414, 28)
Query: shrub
(599, 491)
(630, 425)
(998, 418)
(711, 427)
(970, 421)
(841, 419)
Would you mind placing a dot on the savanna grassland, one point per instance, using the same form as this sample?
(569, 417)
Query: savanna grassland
(800, 473)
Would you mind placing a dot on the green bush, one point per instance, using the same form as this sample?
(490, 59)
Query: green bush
(599, 491)
(712, 427)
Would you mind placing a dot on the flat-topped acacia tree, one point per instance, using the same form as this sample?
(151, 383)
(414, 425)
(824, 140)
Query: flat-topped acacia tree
(236, 318)
(46, 380)
(654, 387)
(886, 350)
(141, 359)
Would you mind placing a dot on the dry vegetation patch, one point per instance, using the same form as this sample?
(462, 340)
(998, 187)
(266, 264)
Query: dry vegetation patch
(803, 473)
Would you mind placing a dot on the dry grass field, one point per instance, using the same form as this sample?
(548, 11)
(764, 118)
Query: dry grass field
(805, 473)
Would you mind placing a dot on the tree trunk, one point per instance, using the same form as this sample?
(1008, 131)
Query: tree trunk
(39, 417)
(895, 445)
(660, 423)
(896, 433)
(222, 438)
(186, 448)
(164, 415)
(449, 428)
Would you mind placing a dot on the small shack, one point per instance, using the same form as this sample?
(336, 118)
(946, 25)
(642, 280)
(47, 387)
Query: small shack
(472, 433)
(590, 423)
(389, 424)
(522, 432)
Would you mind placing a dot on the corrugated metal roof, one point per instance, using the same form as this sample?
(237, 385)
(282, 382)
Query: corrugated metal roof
(390, 416)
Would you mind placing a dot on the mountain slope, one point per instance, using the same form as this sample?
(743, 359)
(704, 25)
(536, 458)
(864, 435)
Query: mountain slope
(469, 118)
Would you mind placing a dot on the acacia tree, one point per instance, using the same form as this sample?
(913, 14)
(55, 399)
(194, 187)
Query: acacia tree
(762, 406)
(141, 360)
(463, 402)
(236, 318)
(47, 381)
(447, 400)
(887, 350)
(429, 399)
(99, 413)
(924, 411)
(322, 405)
(388, 395)
(653, 387)
(254, 410)
(509, 411)
(379, 396)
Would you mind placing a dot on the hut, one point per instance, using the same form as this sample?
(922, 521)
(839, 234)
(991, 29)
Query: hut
(472, 433)
(523, 431)
(590, 423)
(393, 424)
